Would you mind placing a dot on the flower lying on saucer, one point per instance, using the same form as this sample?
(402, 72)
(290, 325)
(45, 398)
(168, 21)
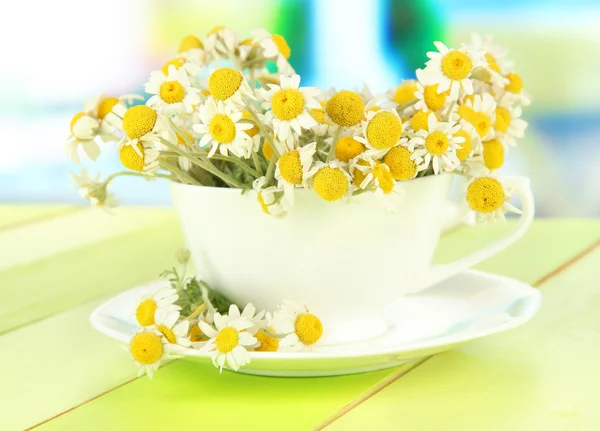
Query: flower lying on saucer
(302, 329)
(148, 349)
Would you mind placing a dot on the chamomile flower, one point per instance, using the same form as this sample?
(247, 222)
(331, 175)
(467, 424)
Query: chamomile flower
(347, 148)
(401, 163)
(420, 120)
(451, 69)
(488, 198)
(493, 154)
(94, 190)
(345, 108)
(175, 333)
(301, 328)
(220, 42)
(192, 50)
(142, 157)
(481, 113)
(143, 124)
(187, 65)
(159, 302)
(381, 130)
(360, 166)
(292, 170)
(275, 47)
(267, 342)
(323, 126)
(405, 92)
(149, 348)
(508, 124)
(330, 181)
(229, 342)
(436, 146)
(472, 142)
(428, 97)
(173, 93)
(84, 129)
(249, 313)
(221, 128)
(288, 106)
(386, 187)
(269, 198)
(229, 85)
(109, 112)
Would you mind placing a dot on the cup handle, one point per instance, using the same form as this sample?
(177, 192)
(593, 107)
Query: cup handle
(522, 187)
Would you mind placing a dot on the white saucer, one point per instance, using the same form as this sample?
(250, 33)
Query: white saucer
(467, 306)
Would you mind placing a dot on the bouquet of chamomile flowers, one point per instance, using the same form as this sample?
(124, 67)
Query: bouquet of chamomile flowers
(232, 112)
(186, 313)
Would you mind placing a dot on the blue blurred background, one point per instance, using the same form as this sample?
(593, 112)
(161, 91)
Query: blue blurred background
(52, 64)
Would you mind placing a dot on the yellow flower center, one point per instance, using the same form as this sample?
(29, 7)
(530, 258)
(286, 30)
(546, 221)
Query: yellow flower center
(357, 174)
(76, 118)
(205, 93)
(384, 130)
(267, 150)
(290, 167)
(436, 143)
(223, 83)
(189, 42)
(502, 119)
(515, 83)
(169, 335)
(345, 108)
(144, 313)
(222, 129)
(176, 62)
(282, 45)
(485, 194)
(419, 121)
(318, 115)
(382, 173)
(493, 154)
(131, 159)
(138, 121)
(466, 113)
(401, 166)
(254, 130)
(172, 92)
(267, 343)
(287, 104)
(456, 65)
(348, 148)
(308, 328)
(262, 203)
(146, 348)
(405, 92)
(216, 29)
(196, 334)
(106, 106)
(482, 123)
(227, 339)
(466, 147)
(330, 183)
(433, 100)
(492, 63)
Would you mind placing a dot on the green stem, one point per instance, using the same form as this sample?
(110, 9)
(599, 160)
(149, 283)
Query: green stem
(336, 136)
(132, 174)
(401, 108)
(447, 116)
(263, 132)
(257, 164)
(178, 172)
(271, 170)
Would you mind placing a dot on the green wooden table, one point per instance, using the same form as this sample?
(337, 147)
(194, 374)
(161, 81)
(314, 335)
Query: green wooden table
(57, 263)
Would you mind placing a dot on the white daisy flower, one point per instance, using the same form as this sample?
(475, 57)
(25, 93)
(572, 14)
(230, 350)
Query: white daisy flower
(175, 333)
(258, 319)
(276, 48)
(109, 112)
(436, 146)
(489, 198)
(173, 93)
(142, 157)
(84, 128)
(428, 98)
(220, 128)
(471, 144)
(157, 303)
(269, 198)
(220, 42)
(480, 111)
(292, 170)
(494, 55)
(301, 328)
(94, 190)
(330, 180)
(386, 187)
(381, 131)
(192, 49)
(230, 341)
(149, 348)
(190, 66)
(230, 86)
(451, 69)
(288, 106)
(143, 124)
(508, 125)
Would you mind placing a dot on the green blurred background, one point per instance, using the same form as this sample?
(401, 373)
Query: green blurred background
(86, 48)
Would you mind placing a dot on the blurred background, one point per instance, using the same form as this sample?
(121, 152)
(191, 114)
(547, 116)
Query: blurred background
(52, 64)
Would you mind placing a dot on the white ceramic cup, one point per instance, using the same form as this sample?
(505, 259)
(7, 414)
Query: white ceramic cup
(345, 261)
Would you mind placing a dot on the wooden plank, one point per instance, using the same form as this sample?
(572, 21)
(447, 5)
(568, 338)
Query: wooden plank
(231, 399)
(542, 376)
